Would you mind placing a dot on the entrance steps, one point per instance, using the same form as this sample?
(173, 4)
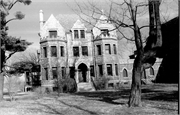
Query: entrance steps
(84, 87)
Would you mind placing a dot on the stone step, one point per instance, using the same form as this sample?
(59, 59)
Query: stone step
(82, 87)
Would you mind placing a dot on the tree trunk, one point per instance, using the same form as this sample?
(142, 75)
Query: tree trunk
(135, 94)
(1, 85)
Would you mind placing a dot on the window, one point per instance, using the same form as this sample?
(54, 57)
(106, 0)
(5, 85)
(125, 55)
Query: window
(151, 71)
(82, 33)
(72, 72)
(52, 34)
(46, 73)
(92, 70)
(53, 51)
(84, 50)
(144, 74)
(45, 51)
(116, 69)
(107, 48)
(105, 32)
(76, 51)
(109, 69)
(125, 73)
(63, 72)
(98, 49)
(76, 35)
(114, 46)
(62, 50)
(100, 70)
(54, 72)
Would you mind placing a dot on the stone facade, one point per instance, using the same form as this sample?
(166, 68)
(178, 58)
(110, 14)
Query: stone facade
(90, 52)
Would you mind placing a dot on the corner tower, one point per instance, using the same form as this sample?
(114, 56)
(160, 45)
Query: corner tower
(53, 49)
(105, 49)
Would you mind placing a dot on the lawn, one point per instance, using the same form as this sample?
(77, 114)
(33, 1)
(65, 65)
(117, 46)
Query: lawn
(157, 99)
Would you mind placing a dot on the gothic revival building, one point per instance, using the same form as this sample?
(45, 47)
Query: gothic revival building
(88, 52)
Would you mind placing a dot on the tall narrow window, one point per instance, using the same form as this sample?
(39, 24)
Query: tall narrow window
(109, 69)
(46, 73)
(76, 35)
(76, 51)
(98, 49)
(125, 73)
(45, 51)
(62, 50)
(151, 71)
(54, 72)
(63, 72)
(144, 74)
(108, 48)
(100, 70)
(115, 51)
(116, 69)
(82, 33)
(84, 50)
(53, 51)
(92, 70)
(53, 34)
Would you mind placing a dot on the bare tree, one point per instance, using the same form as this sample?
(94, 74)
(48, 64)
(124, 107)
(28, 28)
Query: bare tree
(125, 15)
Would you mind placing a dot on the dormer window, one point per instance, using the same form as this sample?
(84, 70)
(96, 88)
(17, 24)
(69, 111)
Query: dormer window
(53, 34)
(105, 32)
(82, 32)
(76, 35)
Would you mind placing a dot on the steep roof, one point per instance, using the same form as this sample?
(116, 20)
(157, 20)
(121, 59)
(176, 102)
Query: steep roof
(68, 21)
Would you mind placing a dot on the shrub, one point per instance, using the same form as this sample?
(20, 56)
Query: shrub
(100, 83)
(67, 85)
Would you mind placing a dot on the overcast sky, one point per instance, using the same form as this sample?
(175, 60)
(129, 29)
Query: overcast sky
(28, 28)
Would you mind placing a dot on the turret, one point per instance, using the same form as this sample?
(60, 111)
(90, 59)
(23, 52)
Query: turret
(41, 20)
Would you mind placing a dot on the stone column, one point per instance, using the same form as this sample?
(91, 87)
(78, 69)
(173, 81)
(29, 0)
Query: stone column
(76, 76)
(88, 76)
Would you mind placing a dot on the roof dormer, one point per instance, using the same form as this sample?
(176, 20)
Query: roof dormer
(78, 30)
(104, 28)
(78, 25)
(52, 28)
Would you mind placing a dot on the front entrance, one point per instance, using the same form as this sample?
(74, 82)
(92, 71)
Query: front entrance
(82, 70)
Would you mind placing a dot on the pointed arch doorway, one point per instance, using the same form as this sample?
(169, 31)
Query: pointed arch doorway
(82, 72)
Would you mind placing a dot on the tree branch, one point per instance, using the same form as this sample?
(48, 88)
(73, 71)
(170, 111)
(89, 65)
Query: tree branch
(12, 4)
(144, 26)
(11, 20)
(10, 55)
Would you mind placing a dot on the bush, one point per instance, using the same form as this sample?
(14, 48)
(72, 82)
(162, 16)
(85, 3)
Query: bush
(100, 83)
(67, 85)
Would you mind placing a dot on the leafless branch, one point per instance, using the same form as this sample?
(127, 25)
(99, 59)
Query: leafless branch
(12, 4)
(10, 55)
(11, 20)
(124, 36)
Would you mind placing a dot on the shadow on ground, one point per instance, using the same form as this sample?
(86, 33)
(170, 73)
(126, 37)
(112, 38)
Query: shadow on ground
(150, 93)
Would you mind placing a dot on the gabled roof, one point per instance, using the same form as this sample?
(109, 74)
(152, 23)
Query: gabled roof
(52, 22)
(68, 20)
(78, 24)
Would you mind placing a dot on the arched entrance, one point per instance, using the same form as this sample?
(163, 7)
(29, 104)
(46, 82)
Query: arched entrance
(82, 70)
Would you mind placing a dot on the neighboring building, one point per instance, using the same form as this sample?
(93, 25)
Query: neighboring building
(86, 51)
(168, 71)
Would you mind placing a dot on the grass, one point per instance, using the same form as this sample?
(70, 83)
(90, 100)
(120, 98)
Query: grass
(157, 99)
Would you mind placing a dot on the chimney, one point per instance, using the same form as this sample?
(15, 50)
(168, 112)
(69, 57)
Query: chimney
(41, 20)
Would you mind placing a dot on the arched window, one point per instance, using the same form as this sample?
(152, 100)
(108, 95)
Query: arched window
(151, 71)
(125, 73)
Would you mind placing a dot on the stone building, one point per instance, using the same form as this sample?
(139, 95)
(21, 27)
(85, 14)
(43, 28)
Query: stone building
(88, 52)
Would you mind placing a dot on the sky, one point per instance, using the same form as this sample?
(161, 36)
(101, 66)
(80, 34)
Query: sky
(28, 28)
